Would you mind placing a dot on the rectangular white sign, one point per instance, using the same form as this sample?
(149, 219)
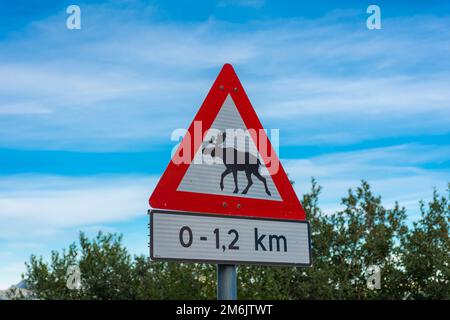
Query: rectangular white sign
(179, 236)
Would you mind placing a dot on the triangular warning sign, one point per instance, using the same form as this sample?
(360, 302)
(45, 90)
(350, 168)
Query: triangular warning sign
(225, 163)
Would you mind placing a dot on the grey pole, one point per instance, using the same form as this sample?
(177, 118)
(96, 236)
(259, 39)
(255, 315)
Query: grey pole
(226, 282)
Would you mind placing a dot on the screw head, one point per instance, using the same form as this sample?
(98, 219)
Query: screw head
(235, 89)
(238, 206)
(224, 204)
(221, 87)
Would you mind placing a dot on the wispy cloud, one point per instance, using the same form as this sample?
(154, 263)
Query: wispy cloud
(43, 213)
(10, 274)
(127, 75)
(242, 3)
(24, 108)
(397, 173)
(46, 205)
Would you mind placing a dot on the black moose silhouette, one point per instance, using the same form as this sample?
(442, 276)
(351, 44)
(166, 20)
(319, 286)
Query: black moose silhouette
(240, 161)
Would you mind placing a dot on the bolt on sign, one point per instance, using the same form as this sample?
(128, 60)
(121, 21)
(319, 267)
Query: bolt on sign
(225, 197)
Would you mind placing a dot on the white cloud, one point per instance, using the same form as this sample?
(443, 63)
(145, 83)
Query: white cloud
(131, 84)
(40, 213)
(370, 96)
(255, 4)
(25, 108)
(10, 274)
(45, 205)
(396, 173)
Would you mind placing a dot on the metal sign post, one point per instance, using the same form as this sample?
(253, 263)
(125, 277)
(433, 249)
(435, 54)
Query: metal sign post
(226, 282)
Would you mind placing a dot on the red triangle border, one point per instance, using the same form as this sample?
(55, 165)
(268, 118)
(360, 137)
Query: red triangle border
(166, 197)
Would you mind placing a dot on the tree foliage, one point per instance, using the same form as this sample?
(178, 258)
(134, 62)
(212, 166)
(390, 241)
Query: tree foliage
(414, 261)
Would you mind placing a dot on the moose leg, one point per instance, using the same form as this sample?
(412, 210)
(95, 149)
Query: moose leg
(227, 171)
(236, 189)
(260, 177)
(249, 180)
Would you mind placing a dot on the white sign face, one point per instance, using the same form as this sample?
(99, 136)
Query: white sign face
(176, 236)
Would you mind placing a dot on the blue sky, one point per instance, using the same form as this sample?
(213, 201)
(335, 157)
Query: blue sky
(86, 115)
